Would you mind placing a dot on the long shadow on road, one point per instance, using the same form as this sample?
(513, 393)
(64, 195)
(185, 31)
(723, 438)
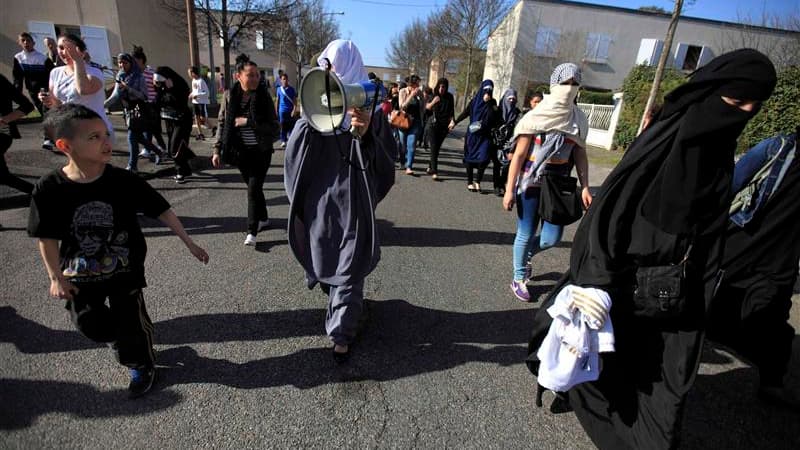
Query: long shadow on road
(400, 340)
(25, 400)
(438, 237)
(722, 409)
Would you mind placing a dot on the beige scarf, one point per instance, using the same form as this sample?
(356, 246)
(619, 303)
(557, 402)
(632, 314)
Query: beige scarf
(556, 112)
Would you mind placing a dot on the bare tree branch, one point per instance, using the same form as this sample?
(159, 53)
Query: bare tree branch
(784, 50)
(234, 19)
(413, 48)
(467, 24)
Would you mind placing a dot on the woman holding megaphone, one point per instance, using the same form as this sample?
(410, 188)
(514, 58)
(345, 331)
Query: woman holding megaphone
(334, 180)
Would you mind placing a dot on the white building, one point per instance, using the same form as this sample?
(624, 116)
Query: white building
(608, 41)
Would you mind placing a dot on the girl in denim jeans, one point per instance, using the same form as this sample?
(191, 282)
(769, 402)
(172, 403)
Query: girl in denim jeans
(551, 138)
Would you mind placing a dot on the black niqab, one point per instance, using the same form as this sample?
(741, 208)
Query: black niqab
(686, 193)
(671, 189)
(676, 175)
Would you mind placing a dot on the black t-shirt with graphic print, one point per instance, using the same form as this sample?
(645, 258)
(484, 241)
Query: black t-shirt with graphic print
(102, 245)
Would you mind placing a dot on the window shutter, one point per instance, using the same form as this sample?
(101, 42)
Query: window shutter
(706, 55)
(260, 40)
(649, 52)
(592, 41)
(603, 47)
(96, 39)
(680, 54)
(39, 31)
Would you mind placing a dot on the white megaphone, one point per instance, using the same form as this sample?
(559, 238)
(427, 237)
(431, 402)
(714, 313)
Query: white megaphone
(325, 107)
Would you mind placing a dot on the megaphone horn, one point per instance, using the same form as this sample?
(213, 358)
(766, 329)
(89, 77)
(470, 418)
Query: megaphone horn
(325, 109)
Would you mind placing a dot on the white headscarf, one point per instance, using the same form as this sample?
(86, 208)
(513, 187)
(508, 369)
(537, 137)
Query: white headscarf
(557, 111)
(346, 60)
(347, 65)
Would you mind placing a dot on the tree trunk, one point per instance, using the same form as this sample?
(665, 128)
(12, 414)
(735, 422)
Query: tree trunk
(193, 48)
(662, 62)
(212, 78)
(226, 44)
(466, 79)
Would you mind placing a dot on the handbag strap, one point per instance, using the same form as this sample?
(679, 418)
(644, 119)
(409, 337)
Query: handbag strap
(687, 254)
(547, 156)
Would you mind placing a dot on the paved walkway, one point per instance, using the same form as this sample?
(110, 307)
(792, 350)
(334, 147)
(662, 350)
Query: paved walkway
(241, 341)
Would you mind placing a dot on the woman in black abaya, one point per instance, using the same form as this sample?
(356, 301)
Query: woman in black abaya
(670, 191)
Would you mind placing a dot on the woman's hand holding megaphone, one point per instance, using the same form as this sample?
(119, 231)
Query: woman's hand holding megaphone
(359, 122)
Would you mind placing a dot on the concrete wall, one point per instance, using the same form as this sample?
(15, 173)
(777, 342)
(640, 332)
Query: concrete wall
(16, 14)
(504, 50)
(161, 33)
(626, 28)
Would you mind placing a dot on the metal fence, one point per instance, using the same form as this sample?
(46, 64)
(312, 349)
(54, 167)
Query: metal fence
(599, 115)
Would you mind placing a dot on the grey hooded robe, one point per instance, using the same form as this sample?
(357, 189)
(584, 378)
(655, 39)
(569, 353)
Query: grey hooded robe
(333, 191)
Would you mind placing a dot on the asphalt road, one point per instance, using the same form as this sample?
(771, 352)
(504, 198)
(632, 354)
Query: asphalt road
(245, 362)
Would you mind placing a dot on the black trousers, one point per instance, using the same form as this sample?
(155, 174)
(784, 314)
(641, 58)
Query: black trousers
(154, 124)
(753, 321)
(6, 177)
(124, 323)
(471, 168)
(253, 165)
(498, 180)
(437, 134)
(178, 133)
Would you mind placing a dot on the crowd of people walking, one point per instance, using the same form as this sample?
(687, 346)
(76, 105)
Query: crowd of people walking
(678, 244)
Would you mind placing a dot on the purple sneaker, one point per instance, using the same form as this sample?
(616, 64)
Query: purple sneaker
(520, 291)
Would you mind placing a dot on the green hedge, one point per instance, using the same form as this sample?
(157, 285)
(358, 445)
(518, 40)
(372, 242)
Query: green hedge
(596, 98)
(636, 88)
(780, 114)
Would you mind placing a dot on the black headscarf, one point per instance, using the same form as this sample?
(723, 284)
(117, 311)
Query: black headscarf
(670, 191)
(180, 88)
(676, 175)
(444, 110)
(690, 185)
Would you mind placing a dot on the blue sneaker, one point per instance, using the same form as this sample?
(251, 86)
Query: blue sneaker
(141, 381)
(520, 291)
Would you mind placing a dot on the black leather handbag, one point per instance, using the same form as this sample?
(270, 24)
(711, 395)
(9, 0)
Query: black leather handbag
(660, 291)
(559, 200)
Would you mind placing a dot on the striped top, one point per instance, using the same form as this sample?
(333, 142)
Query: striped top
(148, 78)
(247, 133)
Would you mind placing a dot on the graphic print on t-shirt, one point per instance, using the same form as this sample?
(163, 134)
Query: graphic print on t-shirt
(102, 252)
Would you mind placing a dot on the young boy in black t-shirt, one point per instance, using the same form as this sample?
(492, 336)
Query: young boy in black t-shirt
(91, 207)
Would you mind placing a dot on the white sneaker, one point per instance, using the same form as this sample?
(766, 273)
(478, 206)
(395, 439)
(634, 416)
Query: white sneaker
(263, 224)
(144, 153)
(250, 240)
(283, 144)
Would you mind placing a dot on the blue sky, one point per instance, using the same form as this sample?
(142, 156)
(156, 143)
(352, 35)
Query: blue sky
(372, 23)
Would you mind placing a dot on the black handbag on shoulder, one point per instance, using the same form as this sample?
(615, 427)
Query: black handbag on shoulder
(660, 291)
(559, 200)
(136, 118)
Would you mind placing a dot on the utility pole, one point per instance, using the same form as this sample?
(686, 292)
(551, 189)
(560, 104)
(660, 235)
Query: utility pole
(212, 76)
(194, 56)
(662, 62)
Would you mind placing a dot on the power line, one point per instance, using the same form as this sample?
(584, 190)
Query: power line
(421, 5)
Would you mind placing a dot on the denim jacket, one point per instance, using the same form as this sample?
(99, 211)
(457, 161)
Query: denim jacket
(751, 196)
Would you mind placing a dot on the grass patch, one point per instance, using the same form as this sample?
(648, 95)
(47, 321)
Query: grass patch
(604, 158)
